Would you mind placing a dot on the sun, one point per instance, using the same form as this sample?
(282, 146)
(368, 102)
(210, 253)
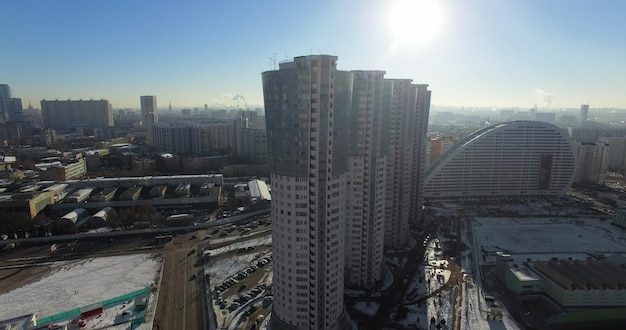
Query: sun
(415, 21)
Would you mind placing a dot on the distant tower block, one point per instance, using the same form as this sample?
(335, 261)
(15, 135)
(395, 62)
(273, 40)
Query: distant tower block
(149, 115)
(584, 113)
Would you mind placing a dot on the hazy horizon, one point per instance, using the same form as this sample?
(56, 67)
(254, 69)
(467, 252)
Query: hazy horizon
(502, 54)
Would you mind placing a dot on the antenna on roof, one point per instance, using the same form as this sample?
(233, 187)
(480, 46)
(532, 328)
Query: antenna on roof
(273, 61)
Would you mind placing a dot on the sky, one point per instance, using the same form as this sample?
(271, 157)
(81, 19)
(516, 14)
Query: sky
(493, 53)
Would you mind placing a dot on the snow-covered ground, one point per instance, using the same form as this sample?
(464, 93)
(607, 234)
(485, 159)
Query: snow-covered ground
(221, 269)
(431, 276)
(254, 242)
(224, 269)
(367, 307)
(546, 235)
(79, 283)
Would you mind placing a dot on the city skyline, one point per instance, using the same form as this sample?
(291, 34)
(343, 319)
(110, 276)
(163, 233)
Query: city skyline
(556, 54)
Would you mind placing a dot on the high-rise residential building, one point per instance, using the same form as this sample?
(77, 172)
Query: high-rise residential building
(174, 138)
(616, 159)
(251, 145)
(199, 138)
(5, 91)
(11, 116)
(307, 108)
(149, 115)
(584, 114)
(516, 159)
(592, 162)
(408, 107)
(365, 193)
(212, 137)
(72, 114)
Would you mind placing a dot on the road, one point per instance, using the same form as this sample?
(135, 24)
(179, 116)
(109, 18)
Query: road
(180, 304)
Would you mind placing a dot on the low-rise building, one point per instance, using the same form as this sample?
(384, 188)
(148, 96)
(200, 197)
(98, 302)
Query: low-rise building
(60, 172)
(569, 282)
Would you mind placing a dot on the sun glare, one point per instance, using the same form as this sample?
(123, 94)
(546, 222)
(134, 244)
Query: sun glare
(415, 21)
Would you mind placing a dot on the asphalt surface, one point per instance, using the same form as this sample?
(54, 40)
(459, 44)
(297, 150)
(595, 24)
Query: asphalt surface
(180, 295)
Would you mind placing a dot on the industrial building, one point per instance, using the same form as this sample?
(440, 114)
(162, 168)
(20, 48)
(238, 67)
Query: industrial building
(570, 282)
(112, 192)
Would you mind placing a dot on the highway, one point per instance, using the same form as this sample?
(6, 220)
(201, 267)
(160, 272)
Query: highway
(132, 232)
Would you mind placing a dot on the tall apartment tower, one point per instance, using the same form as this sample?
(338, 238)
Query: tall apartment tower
(592, 162)
(365, 194)
(149, 116)
(307, 105)
(584, 114)
(5, 91)
(616, 159)
(10, 108)
(407, 106)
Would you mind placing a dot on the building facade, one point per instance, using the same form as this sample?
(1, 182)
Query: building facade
(175, 138)
(439, 145)
(212, 137)
(11, 117)
(365, 194)
(584, 114)
(72, 114)
(251, 145)
(616, 158)
(307, 104)
(198, 138)
(149, 116)
(5, 91)
(60, 172)
(407, 106)
(592, 162)
(516, 159)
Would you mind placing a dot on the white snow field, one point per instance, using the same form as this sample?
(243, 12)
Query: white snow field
(79, 283)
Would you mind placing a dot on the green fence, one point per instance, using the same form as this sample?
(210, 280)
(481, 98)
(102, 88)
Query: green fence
(105, 304)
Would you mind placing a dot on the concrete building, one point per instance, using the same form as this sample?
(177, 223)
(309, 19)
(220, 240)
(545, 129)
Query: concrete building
(307, 105)
(584, 114)
(5, 91)
(27, 203)
(74, 170)
(616, 158)
(584, 283)
(516, 159)
(251, 145)
(207, 138)
(439, 145)
(149, 115)
(250, 138)
(199, 138)
(72, 114)
(175, 138)
(365, 193)
(592, 162)
(407, 106)
(11, 117)
(570, 283)
(11, 110)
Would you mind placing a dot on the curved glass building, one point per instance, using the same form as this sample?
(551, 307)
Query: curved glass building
(515, 159)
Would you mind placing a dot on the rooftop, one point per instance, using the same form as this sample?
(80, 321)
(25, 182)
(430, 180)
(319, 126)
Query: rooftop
(583, 275)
